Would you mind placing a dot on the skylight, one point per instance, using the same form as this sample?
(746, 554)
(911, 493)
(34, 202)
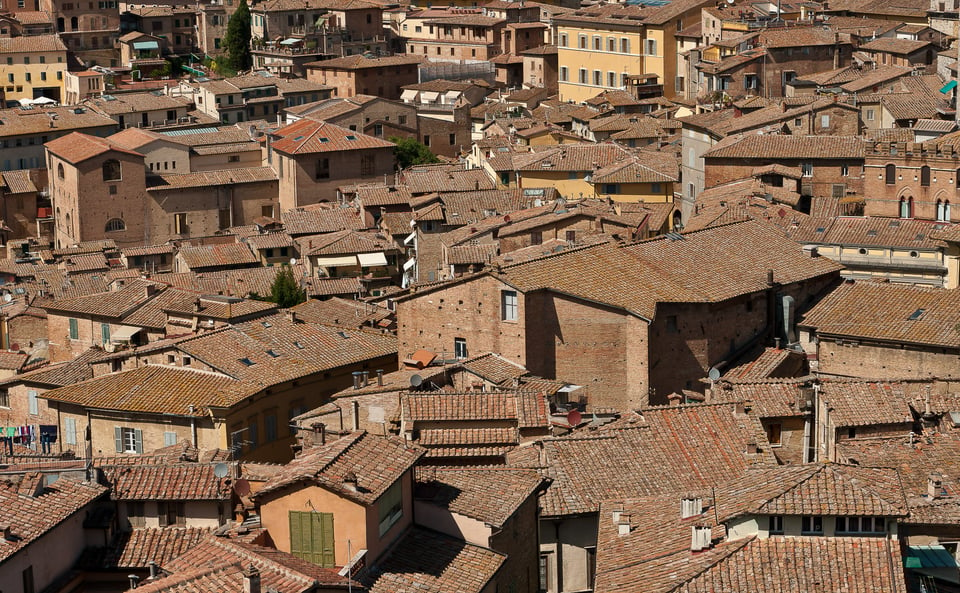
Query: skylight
(247, 362)
(916, 314)
(298, 345)
(273, 353)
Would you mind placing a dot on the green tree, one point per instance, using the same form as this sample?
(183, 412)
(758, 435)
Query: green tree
(409, 152)
(237, 39)
(285, 291)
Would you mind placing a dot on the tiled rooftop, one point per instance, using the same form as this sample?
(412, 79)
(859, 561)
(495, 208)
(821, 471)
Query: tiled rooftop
(166, 481)
(488, 494)
(376, 462)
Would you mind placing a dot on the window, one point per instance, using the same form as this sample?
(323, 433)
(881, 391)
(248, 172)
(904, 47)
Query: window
(169, 438)
(806, 169)
(128, 440)
(611, 44)
(115, 224)
(28, 77)
(4, 398)
(26, 60)
(104, 333)
(111, 170)
(582, 42)
(611, 79)
(870, 114)
(563, 40)
(180, 223)
(32, 402)
(60, 170)
(26, 577)
(611, 188)
(824, 121)
(311, 537)
(811, 524)
(943, 210)
(838, 190)
(171, 513)
(774, 433)
(270, 428)
(390, 507)
(74, 329)
(656, 188)
(253, 433)
(775, 525)
(536, 238)
(890, 172)
(564, 74)
(453, 139)
(906, 207)
(583, 76)
(651, 46)
(591, 567)
(845, 170)
(460, 348)
(544, 572)
(112, 190)
(426, 140)
(597, 78)
(624, 45)
(367, 165)
(925, 176)
(323, 168)
(861, 525)
(70, 431)
(508, 305)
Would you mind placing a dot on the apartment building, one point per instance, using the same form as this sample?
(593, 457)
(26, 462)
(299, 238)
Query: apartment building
(33, 67)
(88, 28)
(25, 130)
(358, 75)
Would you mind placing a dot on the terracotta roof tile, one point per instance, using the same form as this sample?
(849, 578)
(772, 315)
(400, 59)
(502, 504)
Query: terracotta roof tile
(488, 494)
(31, 44)
(429, 562)
(116, 303)
(308, 136)
(890, 313)
(32, 510)
(210, 178)
(77, 147)
(321, 220)
(767, 146)
(494, 368)
(155, 389)
(211, 256)
(137, 548)
(162, 481)
(377, 462)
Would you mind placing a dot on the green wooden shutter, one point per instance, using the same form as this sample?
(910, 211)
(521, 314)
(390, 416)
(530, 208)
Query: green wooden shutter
(296, 534)
(74, 329)
(118, 437)
(327, 559)
(138, 437)
(104, 333)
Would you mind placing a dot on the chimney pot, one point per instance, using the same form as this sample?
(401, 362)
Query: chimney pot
(350, 481)
(380, 377)
(251, 579)
(134, 580)
(752, 448)
(934, 485)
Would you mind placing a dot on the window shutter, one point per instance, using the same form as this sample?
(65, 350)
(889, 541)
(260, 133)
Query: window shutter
(163, 516)
(118, 436)
(138, 437)
(70, 431)
(169, 438)
(327, 559)
(32, 400)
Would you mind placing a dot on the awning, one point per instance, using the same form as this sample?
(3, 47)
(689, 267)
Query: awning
(948, 87)
(145, 45)
(408, 95)
(290, 41)
(372, 259)
(124, 333)
(428, 96)
(336, 261)
(410, 238)
(452, 96)
(409, 264)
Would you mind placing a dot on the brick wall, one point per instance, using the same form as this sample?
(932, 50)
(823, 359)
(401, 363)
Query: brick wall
(872, 361)
(518, 539)
(883, 199)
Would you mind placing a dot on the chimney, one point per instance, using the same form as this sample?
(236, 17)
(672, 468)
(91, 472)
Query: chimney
(934, 485)
(357, 378)
(151, 289)
(319, 428)
(674, 399)
(623, 524)
(355, 408)
(5, 532)
(691, 507)
(752, 448)
(251, 579)
(292, 316)
(366, 378)
(196, 306)
(153, 569)
(770, 278)
(617, 511)
(380, 377)
(134, 579)
(700, 538)
(350, 481)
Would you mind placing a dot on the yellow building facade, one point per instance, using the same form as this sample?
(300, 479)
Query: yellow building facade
(599, 47)
(33, 67)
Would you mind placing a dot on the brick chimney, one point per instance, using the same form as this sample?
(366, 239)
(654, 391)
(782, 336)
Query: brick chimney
(934, 485)
(251, 579)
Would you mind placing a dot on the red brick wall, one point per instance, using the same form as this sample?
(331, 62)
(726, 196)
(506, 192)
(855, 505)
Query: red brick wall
(883, 199)
(873, 361)
(520, 542)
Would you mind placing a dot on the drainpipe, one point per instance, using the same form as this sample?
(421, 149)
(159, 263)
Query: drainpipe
(193, 425)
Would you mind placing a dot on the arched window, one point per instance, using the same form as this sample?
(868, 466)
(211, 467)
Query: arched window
(946, 211)
(891, 174)
(943, 210)
(906, 207)
(74, 24)
(111, 170)
(115, 224)
(939, 209)
(925, 176)
(60, 170)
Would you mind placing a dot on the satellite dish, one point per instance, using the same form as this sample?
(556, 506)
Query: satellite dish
(242, 487)
(293, 261)
(713, 374)
(221, 470)
(7, 297)
(416, 381)
(730, 2)
(574, 418)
